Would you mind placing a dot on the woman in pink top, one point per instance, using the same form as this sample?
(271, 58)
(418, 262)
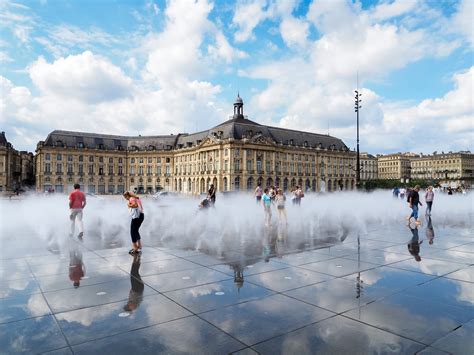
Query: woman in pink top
(429, 197)
(137, 216)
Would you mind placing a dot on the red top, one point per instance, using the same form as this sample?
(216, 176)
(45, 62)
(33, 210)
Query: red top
(77, 199)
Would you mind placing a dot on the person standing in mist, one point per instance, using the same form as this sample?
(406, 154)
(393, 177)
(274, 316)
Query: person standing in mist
(77, 202)
(258, 194)
(267, 203)
(137, 217)
(429, 196)
(211, 195)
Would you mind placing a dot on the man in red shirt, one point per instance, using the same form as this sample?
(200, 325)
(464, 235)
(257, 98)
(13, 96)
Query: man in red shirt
(77, 201)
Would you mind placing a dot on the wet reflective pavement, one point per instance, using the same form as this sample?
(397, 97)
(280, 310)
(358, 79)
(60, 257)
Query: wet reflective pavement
(378, 292)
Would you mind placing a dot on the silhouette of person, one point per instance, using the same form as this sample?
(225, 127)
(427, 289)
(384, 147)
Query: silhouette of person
(77, 269)
(135, 296)
(414, 245)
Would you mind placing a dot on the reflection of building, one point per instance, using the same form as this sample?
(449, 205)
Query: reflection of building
(394, 166)
(450, 166)
(368, 166)
(16, 168)
(235, 155)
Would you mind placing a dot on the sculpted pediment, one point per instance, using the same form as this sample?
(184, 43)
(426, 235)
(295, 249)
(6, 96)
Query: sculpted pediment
(209, 141)
(262, 140)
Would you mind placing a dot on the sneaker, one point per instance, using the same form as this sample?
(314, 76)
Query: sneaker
(80, 235)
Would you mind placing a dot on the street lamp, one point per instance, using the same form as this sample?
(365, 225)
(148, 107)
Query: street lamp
(357, 109)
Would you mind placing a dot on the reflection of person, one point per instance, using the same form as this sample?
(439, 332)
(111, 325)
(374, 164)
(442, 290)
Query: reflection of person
(77, 201)
(137, 216)
(430, 231)
(77, 269)
(414, 245)
(135, 296)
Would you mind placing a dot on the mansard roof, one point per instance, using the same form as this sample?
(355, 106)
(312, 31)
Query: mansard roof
(237, 128)
(3, 140)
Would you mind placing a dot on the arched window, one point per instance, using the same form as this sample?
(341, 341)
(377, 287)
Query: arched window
(237, 184)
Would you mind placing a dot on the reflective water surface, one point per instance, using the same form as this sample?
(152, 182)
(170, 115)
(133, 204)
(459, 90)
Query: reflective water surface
(388, 289)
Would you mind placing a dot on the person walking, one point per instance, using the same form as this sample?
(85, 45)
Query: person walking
(429, 196)
(258, 193)
(77, 202)
(413, 202)
(77, 269)
(137, 217)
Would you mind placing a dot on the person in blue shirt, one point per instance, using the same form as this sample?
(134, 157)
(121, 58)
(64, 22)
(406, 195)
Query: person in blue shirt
(267, 204)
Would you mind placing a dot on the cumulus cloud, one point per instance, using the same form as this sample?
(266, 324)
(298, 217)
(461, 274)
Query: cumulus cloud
(84, 77)
(322, 77)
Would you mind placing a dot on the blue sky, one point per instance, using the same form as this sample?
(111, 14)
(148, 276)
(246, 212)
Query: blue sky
(160, 67)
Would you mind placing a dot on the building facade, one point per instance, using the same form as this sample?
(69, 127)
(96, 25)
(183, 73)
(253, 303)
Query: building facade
(16, 168)
(368, 167)
(444, 167)
(395, 166)
(235, 155)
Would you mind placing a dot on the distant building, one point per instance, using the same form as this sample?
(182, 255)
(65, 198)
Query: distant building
(369, 167)
(456, 167)
(235, 155)
(16, 168)
(394, 166)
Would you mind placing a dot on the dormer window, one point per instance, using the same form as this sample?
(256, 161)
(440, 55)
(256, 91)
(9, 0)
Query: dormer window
(59, 143)
(151, 147)
(80, 145)
(305, 143)
(291, 142)
(190, 144)
(100, 146)
(119, 147)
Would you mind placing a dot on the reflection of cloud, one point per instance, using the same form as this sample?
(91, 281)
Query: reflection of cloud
(36, 305)
(204, 290)
(465, 291)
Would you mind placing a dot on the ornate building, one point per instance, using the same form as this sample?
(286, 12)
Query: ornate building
(16, 168)
(369, 167)
(394, 166)
(444, 167)
(235, 155)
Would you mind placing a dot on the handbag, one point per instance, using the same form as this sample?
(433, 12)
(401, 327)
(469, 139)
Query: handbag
(134, 212)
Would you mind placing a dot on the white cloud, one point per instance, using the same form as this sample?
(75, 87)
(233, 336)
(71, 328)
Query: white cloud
(396, 8)
(84, 77)
(247, 16)
(294, 31)
(5, 57)
(462, 21)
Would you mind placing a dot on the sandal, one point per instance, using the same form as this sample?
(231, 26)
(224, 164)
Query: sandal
(133, 251)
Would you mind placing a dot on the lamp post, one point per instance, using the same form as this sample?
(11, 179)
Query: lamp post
(357, 109)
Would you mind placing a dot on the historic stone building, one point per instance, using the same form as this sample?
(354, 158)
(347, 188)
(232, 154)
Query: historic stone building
(16, 168)
(394, 166)
(368, 167)
(445, 167)
(235, 155)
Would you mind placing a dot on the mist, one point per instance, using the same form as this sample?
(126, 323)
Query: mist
(41, 223)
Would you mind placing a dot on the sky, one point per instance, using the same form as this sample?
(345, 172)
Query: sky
(159, 67)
